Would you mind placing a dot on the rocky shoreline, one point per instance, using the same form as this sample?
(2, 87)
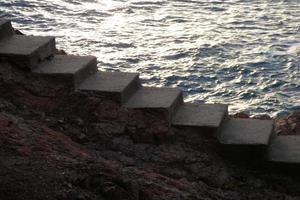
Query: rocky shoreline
(58, 144)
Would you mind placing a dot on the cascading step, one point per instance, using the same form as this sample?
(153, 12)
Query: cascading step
(27, 51)
(116, 85)
(6, 28)
(245, 135)
(68, 68)
(200, 115)
(284, 149)
(161, 99)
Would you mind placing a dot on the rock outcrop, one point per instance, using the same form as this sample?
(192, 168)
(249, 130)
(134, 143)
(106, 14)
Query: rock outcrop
(58, 144)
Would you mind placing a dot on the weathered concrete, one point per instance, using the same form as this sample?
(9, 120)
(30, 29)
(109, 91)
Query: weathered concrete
(165, 99)
(284, 149)
(6, 29)
(200, 115)
(245, 132)
(68, 67)
(27, 51)
(117, 85)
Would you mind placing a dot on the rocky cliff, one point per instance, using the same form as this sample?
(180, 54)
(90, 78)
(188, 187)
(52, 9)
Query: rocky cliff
(58, 144)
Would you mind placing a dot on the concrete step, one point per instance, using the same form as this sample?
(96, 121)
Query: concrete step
(284, 149)
(70, 68)
(155, 98)
(200, 115)
(6, 28)
(27, 51)
(118, 86)
(246, 134)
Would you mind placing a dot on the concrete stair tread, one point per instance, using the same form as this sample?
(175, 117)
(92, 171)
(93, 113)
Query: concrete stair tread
(284, 149)
(23, 45)
(154, 97)
(64, 64)
(3, 21)
(5, 28)
(200, 115)
(246, 132)
(108, 81)
(68, 67)
(26, 51)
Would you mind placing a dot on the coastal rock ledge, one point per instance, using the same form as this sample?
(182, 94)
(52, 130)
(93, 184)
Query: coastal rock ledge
(59, 144)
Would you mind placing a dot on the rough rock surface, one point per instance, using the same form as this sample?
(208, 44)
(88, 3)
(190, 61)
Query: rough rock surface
(57, 144)
(289, 125)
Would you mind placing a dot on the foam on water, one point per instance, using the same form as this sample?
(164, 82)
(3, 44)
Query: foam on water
(240, 52)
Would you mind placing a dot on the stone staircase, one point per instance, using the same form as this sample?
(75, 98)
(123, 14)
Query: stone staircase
(38, 55)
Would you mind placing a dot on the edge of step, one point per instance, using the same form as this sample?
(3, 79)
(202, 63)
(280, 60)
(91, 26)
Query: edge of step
(246, 132)
(245, 138)
(165, 99)
(200, 115)
(68, 67)
(26, 50)
(237, 131)
(284, 149)
(6, 28)
(118, 86)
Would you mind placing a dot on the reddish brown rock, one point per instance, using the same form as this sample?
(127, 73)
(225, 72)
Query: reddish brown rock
(26, 98)
(262, 117)
(89, 148)
(289, 125)
(241, 115)
(34, 139)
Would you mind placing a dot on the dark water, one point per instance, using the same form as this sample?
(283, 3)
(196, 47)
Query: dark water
(242, 52)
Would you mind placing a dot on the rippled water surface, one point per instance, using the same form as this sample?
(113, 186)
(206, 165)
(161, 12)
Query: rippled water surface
(242, 52)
